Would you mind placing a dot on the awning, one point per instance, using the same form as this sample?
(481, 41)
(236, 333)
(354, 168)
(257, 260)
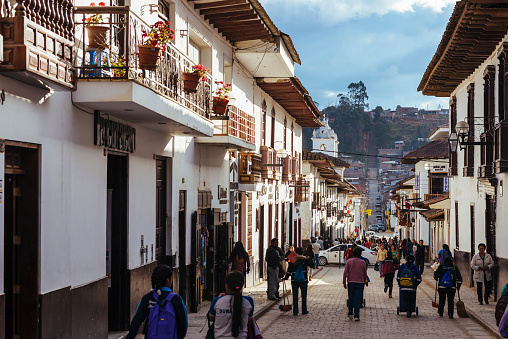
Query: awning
(434, 214)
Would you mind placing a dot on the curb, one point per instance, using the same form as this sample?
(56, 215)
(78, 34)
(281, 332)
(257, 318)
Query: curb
(270, 305)
(474, 316)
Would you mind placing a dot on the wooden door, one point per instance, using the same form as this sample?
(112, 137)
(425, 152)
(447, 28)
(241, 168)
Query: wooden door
(161, 212)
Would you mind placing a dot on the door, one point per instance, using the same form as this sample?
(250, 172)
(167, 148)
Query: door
(473, 245)
(116, 255)
(261, 241)
(21, 241)
(222, 256)
(490, 232)
(195, 266)
(334, 254)
(161, 213)
(182, 245)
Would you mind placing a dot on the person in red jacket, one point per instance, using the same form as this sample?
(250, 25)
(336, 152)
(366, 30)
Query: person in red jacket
(389, 269)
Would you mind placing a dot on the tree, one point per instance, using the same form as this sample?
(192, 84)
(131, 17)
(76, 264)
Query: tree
(358, 95)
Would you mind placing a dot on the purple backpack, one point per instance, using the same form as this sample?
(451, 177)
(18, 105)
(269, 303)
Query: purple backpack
(162, 319)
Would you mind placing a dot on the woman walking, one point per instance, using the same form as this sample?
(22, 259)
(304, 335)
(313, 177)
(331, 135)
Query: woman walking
(482, 264)
(232, 311)
(443, 254)
(298, 273)
(389, 269)
(240, 259)
(380, 258)
(309, 253)
(353, 279)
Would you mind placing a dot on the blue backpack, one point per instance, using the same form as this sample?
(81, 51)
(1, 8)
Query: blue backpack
(406, 277)
(299, 276)
(447, 280)
(162, 319)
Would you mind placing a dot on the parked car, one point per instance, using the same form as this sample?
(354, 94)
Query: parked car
(373, 228)
(369, 234)
(335, 255)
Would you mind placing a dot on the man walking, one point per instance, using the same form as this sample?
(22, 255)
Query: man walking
(449, 280)
(316, 248)
(420, 256)
(353, 279)
(409, 278)
(273, 263)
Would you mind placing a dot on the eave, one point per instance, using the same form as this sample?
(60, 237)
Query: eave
(473, 33)
(294, 98)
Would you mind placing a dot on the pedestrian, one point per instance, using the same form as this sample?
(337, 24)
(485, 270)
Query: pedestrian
(316, 248)
(409, 247)
(380, 258)
(299, 279)
(321, 242)
(273, 263)
(482, 264)
(409, 278)
(348, 254)
(503, 325)
(291, 249)
(420, 256)
(231, 312)
(160, 300)
(449, 280)
(239, 259)
(389, 269)
(353, 279)
(309, 253)
(442, 254)
(395, 254)
(403, 248)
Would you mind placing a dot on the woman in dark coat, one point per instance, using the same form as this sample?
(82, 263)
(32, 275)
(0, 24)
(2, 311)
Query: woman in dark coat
(240, 259)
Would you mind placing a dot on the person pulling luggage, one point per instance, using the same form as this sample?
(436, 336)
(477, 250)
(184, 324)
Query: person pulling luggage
(409, 278)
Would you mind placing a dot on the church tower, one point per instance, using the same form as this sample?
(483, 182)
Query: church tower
(324, 140)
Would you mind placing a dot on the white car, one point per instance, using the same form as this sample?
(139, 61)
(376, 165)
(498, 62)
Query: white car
(369, 234)
(335, 255)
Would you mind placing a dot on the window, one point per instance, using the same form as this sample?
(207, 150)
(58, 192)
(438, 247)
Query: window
(272, 140)
(468, 170)
(263, 122)
(194, 52)
(453, 122)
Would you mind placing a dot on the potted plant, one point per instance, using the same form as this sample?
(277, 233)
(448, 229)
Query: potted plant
(157, 37)
(118, 61)
(97, 34)
(221, 98)
(191, 79)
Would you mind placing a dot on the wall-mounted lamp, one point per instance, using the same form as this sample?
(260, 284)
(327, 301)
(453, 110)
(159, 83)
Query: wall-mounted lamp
(461, 136)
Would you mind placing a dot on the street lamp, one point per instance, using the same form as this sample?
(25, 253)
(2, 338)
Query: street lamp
(453, 140)
(428, 166)
(282, 154)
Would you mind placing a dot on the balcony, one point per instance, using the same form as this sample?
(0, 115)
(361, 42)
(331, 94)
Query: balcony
(153, 98)
(38, 46)
(301, 190)
(236, 133)
(269, 157)
(249, 171)
(501, 147)
(287, 169)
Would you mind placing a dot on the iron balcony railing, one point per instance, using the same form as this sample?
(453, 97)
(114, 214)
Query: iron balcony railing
(240, 125)
(117, 58)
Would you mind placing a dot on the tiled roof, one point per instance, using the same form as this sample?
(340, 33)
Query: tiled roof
(437, 149)
(321, 156)
(432, 214)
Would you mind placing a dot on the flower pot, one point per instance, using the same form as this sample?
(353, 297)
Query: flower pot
(220, 106)
(190, 82)
(148, 56)
(97, 36)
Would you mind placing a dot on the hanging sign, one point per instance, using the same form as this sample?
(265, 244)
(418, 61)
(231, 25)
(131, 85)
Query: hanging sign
(113, 135)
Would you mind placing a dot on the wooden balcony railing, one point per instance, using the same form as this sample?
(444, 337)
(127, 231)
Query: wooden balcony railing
(295, 168)
(287, 169)
(269, 157)
(431, 196)
(249, 168)
(301, 190)
(240, 125)
(122, 40)
(38, 41)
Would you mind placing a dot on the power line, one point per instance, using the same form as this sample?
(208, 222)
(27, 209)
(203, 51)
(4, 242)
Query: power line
(368, 155)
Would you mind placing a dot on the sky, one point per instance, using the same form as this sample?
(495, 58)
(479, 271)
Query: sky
(387, 44)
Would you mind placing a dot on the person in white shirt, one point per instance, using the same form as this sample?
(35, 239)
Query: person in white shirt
(316, 248)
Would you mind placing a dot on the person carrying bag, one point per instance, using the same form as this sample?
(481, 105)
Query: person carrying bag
(450, 280)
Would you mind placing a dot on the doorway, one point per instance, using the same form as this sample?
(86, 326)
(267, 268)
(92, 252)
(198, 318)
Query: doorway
(473, 245)
(490, 233)
(182, 249)
(161, 213)
(21, 240)
(261, 241)
(116, 244)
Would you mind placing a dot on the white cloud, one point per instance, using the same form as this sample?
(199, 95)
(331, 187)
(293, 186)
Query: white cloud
(329, 12)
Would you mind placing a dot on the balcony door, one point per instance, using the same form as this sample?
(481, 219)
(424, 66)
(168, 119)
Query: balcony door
(490, 233)
(21, 241)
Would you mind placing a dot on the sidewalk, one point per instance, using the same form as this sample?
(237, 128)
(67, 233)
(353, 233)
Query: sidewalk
(197, 321)
(482, 314)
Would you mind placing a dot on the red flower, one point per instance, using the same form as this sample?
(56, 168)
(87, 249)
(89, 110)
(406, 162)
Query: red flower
(102, 4)
(92, 4)
(153, 43)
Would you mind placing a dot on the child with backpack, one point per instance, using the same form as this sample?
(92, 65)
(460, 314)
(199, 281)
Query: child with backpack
(164, 310)
(299, 279)
(231, 312)
(449, 280)
(409, 278)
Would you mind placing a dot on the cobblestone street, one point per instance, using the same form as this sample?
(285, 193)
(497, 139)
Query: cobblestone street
(327, 317)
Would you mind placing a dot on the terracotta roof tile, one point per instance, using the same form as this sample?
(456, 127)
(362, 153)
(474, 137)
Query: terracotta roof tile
(321, 156)
(437, 149)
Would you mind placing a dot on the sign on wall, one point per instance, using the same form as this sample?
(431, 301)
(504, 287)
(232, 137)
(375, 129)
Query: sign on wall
(417, 182)
(113, 135)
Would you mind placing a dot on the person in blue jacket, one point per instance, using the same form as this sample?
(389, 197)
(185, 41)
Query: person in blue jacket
(408, 289)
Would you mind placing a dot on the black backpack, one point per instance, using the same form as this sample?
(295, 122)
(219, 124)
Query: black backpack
(501, 307)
